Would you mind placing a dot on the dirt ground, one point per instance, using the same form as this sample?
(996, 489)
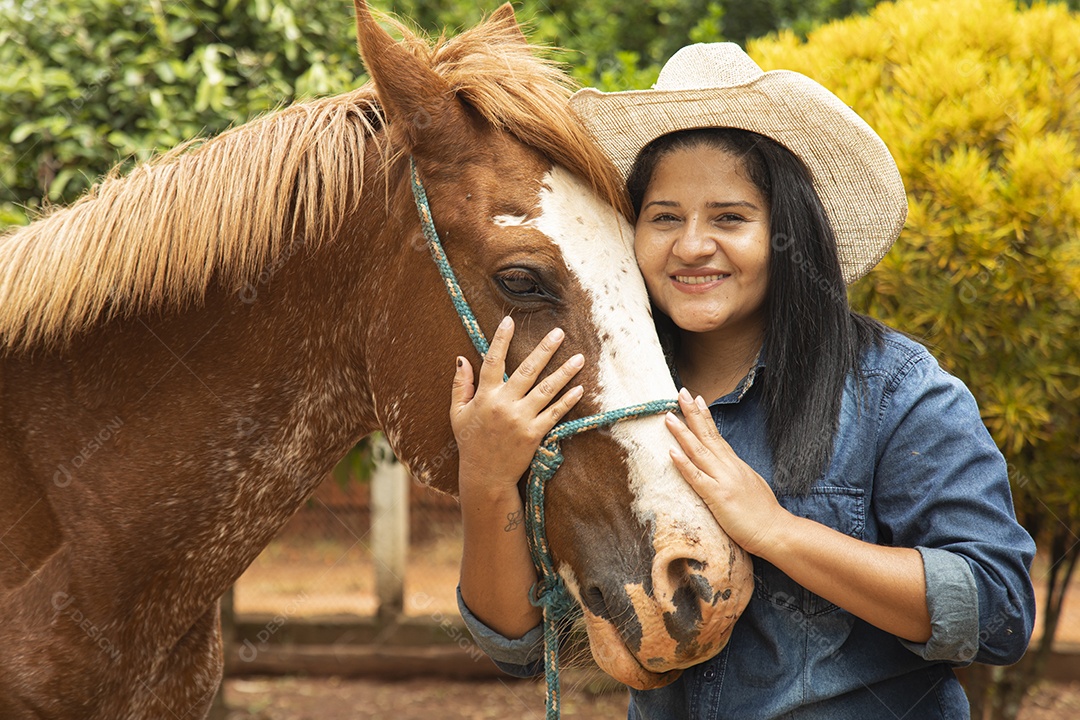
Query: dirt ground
(322, 577)
(335, 699)
(326, 577)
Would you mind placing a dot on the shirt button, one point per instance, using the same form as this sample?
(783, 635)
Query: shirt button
(709, 675)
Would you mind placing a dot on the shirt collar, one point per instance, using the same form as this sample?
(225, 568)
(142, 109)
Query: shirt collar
(740, 390)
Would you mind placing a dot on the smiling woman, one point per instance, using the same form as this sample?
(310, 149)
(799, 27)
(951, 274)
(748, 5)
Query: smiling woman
(852, 469)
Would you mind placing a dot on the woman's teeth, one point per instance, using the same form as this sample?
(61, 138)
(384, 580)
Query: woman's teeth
(698, 279)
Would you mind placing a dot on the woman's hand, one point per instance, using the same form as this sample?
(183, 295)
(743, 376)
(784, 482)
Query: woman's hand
(742, 502)
(883, 585)
(499, 425)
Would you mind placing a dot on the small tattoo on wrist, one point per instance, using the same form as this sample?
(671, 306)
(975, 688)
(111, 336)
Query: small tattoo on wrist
(514, 520)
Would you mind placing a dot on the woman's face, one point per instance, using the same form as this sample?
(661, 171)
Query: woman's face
(702, 242)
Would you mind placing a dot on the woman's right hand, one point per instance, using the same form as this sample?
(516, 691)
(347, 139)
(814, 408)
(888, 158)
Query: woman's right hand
(499, 425)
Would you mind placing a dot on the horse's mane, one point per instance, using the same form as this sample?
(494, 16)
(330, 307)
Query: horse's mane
(221, 210)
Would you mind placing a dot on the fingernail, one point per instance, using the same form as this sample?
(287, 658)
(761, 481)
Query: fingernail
(506, 323)
(670, 417)
(684, 395)
(556, 334)
(701, 403)
(577, 361)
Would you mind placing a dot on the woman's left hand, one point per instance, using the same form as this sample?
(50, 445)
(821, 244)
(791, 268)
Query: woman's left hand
(741, 501)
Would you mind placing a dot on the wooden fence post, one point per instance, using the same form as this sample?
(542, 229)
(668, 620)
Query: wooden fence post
(389, 528)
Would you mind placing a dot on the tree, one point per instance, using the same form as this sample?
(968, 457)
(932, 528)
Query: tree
(90, 83)
(617, 45)
(979, 101)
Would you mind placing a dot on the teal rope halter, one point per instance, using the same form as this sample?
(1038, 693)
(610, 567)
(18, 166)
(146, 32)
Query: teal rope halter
(549, 593)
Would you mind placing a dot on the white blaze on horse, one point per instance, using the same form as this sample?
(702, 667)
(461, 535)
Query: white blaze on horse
(188, 350)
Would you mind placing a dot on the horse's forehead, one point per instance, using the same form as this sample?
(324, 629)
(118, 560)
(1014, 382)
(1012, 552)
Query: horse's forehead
(577, 222)
(597, 244)
(575, 217)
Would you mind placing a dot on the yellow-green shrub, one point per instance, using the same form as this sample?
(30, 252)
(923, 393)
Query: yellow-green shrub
(979, 102)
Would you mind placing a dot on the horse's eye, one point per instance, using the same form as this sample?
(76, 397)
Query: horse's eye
(520, 284)
(523, 284)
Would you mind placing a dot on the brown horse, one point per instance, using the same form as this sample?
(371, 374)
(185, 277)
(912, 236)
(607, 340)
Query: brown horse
(189, 349)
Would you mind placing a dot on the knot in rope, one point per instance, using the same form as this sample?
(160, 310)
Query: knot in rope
(545, 462)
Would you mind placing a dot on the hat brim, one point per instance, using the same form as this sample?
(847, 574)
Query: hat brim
(853, 172)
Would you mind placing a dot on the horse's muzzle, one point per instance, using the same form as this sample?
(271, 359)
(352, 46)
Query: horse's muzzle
(681, 614)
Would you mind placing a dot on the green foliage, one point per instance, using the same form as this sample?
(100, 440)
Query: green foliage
(359, 463)
(980, 103)
(617, 45)
(89, 83)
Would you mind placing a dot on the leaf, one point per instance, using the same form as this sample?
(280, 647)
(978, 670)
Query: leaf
(60, 183)
(23, 131)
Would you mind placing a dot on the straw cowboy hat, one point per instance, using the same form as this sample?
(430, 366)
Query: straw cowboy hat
(718, 85)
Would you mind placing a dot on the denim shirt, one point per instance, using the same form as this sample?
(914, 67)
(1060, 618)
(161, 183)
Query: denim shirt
(913, 466)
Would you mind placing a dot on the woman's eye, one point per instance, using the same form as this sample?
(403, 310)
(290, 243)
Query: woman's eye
(730, 218)
(665, 218)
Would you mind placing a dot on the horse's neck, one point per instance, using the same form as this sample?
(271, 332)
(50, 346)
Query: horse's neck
(224, 419)
(285, 391)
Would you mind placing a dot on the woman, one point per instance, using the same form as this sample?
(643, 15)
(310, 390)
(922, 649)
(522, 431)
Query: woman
(834, 450)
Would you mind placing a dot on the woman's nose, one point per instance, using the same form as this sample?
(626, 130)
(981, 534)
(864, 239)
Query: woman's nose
(695, 242)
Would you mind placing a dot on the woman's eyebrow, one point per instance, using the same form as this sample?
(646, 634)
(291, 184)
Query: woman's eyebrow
(730, 204)
(712, 205)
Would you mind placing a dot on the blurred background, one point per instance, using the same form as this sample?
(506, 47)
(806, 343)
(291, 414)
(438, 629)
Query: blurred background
(350, 612)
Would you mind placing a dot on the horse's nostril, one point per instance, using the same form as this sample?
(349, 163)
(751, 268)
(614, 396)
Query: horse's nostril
(594, 601)
(680, 569)
(685, 577)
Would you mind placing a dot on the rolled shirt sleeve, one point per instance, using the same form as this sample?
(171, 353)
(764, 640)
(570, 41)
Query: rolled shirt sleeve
(953, 603)
(944, 488)
(521, 657)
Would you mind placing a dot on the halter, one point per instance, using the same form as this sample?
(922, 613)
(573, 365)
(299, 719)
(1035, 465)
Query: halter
(549, 593)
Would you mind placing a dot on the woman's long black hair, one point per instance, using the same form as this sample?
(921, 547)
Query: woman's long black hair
(813, 339)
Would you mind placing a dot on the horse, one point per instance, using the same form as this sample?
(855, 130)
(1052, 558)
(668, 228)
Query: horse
(187, 350)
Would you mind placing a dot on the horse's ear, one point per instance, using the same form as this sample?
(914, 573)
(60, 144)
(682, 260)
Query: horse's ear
(504, 18)
(414, 98)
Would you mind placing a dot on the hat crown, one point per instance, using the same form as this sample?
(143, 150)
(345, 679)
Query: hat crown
(708, 65)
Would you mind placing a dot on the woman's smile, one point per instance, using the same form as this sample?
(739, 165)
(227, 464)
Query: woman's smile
(698, 281)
